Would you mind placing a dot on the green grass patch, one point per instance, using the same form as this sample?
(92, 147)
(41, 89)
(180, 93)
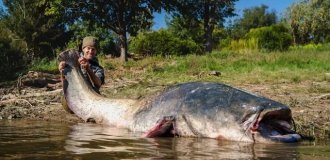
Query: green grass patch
(44, 65)
(293, 66)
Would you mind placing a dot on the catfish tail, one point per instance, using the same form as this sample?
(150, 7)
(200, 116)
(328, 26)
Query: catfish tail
(70, 57)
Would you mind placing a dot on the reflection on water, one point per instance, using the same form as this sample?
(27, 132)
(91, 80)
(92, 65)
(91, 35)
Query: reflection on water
(43, 140)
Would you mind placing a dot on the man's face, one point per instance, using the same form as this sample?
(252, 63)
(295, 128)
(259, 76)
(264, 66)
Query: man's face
(89, 52)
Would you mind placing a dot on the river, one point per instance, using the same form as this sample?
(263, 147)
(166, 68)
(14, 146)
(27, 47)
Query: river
(26, 139)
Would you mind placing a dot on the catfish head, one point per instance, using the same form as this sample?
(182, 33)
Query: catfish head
(270, 122)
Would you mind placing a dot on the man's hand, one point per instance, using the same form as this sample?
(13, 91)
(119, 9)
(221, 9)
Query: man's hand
(83, 63)
(61, 66)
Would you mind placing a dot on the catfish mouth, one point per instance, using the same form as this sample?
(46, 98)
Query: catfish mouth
(275, 125)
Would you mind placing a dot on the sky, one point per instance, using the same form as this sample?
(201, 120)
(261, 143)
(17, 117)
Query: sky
(278, 5)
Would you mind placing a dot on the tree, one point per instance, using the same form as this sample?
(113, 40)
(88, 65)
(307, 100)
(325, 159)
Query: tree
(208, 12)
(254, 17)
(185, 28)
(106, 38)
(309, 21)
(162, 42)
(12, 53)
(29, 20)
(121, 16)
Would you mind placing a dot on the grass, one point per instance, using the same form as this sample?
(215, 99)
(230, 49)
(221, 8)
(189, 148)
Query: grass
(249, 67)
(44, 65)
(299, 64)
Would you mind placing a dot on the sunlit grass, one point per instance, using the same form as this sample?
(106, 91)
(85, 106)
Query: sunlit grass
(248, 67)
(44, 65)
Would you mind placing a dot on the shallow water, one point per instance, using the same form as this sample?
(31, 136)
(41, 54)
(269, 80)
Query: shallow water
(21, 139)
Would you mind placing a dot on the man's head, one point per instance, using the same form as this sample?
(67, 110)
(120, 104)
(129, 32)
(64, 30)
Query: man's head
(89, 47)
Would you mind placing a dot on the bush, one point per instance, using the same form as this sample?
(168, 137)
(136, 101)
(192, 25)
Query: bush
(44, 65)
(312, 47)
(162, 43)
(11, 62)
(241, 44)
(275, 37)
(12, 58)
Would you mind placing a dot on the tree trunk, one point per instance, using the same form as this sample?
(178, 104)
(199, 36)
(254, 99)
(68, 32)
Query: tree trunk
(295, 34)
(122, 31)
(208, 39)
(123, 47)
(208, 27)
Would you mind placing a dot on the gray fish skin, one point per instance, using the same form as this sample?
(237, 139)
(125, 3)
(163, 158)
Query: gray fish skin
(213, 110)
(199, 109)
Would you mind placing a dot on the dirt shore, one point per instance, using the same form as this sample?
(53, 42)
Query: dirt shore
(310, 106)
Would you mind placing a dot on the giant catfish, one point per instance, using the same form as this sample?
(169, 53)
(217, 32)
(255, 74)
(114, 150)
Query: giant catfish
(193, 109)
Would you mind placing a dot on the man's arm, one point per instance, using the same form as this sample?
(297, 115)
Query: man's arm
(96, 80)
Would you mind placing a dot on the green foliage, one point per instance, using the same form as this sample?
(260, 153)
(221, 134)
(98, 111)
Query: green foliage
(272, 38)
(185, 28)
(311, 47)
(162, 43)
(309, 21)
(224, 43)
(254, 17)
(44, 65)
(209, 13)
(11, 56)
(218, 35)
(121, 17)
(240, 45)
(42, 33)
(106, 37)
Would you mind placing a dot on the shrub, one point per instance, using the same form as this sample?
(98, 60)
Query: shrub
(241, 44)
(162, 43)
(44, 65)
(11, 61)
(275, 37)
(12, 55)
(312, 47)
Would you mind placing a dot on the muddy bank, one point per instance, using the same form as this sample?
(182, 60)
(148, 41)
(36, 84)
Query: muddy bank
(34, 96)
(309, 101)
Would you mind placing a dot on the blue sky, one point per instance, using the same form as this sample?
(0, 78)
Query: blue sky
(278, 5)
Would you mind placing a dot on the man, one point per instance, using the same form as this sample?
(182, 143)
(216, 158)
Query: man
(89, 65)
